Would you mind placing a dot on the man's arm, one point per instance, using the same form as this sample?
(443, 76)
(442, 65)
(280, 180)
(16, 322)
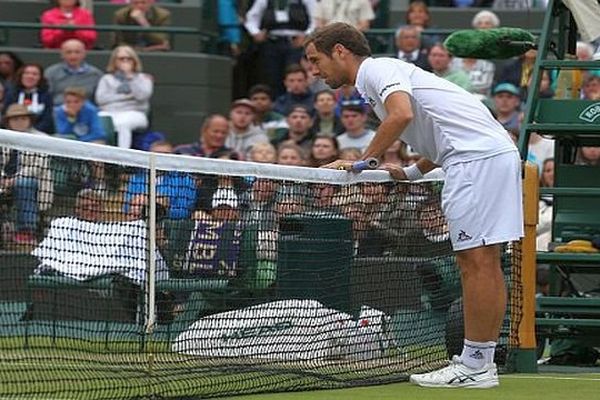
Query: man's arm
(399, 173)
(399, 115)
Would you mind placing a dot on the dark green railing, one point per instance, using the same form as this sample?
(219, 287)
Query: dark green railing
(208, 40)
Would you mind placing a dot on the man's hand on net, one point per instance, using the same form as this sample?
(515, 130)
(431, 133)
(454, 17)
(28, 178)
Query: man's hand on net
(396, 171)
(344, 165)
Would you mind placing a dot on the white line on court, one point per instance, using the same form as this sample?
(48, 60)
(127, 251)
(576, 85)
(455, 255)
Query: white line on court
(542, 377)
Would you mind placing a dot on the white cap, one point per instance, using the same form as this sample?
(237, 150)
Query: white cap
(225, 197)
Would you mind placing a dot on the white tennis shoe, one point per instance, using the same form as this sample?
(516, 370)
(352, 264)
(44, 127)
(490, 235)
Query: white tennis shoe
(458, 375)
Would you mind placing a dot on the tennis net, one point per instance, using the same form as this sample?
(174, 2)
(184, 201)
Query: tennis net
(128, 274)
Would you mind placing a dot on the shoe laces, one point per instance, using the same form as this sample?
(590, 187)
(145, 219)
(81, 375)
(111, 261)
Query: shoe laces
(441, 372)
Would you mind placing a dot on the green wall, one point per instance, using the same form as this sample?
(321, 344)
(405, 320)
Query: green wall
(187, 86)
(182, 15)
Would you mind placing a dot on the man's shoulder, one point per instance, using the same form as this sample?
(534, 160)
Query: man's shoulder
(53, 69)
(189, 149)
(271, 116)
(93, 70)
(59, 112)
(89, 107)
(51, 12)
(377, 68)
(282, 98)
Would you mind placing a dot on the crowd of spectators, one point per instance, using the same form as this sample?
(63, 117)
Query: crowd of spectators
(283, 114)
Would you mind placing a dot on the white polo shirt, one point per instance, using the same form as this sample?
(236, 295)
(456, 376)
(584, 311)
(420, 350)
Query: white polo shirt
(450, 125)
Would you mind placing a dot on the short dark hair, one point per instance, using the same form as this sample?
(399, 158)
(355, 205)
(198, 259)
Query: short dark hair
(354, 108)
(294, 69)
(324, 91)
(75, 91)
(208, 120)
(260, 88)
(326, 37)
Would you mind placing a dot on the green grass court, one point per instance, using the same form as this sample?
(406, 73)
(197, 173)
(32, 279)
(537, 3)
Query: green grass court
(512, 387)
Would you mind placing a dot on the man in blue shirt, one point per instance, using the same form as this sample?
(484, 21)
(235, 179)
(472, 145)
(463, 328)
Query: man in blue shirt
(176, 191)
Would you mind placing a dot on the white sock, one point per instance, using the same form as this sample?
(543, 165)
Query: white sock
(477, 354)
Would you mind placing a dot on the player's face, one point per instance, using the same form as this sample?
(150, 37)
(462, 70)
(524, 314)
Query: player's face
(326, 67)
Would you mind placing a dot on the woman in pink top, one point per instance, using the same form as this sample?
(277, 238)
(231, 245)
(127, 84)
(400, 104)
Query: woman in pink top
(67, 12)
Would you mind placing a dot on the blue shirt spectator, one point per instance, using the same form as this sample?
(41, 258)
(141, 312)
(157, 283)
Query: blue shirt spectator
(177, 187)
(229, 23)
(77, 118)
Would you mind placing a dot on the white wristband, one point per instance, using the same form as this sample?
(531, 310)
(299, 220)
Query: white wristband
(413, 172)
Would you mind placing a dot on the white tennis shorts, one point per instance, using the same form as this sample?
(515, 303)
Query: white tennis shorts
(483, 202)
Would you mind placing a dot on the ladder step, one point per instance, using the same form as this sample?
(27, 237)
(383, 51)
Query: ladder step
(582, 305)
(571, 191)
(564, 129)
(568, 64)
(551, 257)
(590, 323)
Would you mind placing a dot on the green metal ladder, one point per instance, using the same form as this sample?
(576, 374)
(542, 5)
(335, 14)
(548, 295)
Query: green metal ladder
(576, 208)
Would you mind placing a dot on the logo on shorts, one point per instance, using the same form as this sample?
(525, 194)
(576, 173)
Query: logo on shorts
(372, 102)
(463, 236)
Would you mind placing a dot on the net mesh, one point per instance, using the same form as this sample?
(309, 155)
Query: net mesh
(130, 275)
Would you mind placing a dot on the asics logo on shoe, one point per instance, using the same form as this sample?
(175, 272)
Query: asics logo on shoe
(478, 355)
(465, 377)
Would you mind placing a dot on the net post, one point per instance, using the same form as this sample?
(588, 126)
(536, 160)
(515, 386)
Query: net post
(151, 277)
(525, 360)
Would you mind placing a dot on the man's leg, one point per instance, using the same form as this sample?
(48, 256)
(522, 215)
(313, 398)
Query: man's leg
(484, 292)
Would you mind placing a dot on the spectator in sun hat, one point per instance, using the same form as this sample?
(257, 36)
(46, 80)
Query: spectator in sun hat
(243, 134)
(26, 176)
(507, 100)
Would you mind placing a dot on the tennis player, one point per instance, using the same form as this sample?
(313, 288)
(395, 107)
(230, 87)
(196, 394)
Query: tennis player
(481, 198)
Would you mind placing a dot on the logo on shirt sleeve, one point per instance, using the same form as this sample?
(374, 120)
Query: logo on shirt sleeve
(391, 85)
